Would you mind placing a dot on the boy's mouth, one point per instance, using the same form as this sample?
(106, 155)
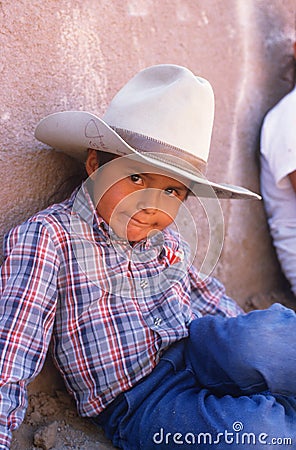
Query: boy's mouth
(139, 222)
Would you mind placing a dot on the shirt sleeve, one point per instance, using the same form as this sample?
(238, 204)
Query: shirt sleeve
(208, 297)
(27, 307)
(278, 141)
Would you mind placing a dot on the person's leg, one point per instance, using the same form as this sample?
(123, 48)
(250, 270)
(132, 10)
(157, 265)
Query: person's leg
(245, 354)
(191, 418)
(170, 409)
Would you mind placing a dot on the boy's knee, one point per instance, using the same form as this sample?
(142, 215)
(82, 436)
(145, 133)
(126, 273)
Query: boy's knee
(266, 344)
(251, 351)
(249, 337)
(262, 349)
(264, 331)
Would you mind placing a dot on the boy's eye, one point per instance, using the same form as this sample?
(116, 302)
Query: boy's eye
(171, 192)
(136, 178)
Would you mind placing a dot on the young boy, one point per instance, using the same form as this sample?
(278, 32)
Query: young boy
(150, 349)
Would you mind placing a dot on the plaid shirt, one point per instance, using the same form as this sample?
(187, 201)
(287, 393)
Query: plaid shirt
(110, 309)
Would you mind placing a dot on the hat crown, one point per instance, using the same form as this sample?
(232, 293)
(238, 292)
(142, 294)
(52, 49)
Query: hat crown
(166, 103)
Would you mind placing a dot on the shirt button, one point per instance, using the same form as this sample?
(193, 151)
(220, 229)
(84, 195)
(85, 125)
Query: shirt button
(157, 321)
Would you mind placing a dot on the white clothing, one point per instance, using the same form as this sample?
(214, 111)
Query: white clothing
(278, 160)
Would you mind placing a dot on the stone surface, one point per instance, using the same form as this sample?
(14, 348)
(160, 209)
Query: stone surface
(45, 437)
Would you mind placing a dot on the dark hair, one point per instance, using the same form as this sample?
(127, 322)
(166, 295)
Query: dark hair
(104, 157)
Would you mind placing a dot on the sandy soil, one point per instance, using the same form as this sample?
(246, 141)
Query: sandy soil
(52, 422)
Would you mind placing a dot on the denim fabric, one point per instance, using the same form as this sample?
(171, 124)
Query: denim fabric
(231, 384)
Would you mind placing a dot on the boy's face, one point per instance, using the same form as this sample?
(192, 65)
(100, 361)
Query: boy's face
(133, 198)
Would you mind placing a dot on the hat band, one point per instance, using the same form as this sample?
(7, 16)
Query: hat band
(143, 143)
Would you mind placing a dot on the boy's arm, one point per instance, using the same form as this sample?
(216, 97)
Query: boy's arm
(27, 307)
(208, 297)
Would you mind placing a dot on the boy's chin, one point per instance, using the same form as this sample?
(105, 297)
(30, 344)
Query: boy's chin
(131, 236)
(134, 237)
(134, 233)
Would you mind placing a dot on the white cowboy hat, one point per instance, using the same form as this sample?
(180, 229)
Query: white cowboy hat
(164, 113)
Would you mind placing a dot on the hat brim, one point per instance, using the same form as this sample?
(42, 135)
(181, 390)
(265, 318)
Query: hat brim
(73, 132)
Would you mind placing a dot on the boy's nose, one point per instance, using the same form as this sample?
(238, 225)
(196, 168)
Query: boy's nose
(149, 200)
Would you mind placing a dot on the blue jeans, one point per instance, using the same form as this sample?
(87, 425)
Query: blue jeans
(230, 384)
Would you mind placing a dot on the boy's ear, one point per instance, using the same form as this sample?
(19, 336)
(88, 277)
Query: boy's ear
(91, 164)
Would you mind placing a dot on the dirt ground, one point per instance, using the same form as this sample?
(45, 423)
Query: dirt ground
(52, 423)
(51, 420)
